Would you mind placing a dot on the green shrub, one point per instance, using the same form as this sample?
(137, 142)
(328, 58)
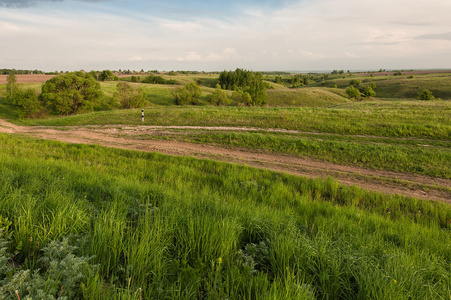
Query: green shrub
(368, 92)
(189, 94)
(218, 97)
(129, 96)
(352, 92)
(28, 103)
(425, 95)
(154, 80)
(241, 98)
(60, 275)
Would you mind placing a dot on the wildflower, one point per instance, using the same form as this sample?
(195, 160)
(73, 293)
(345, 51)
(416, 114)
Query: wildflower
(394, 280)
(219, 260)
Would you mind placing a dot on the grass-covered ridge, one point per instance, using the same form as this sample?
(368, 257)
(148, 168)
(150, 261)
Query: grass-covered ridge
(181, 228)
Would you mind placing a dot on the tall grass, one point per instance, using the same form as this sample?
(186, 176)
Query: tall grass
(181, 228)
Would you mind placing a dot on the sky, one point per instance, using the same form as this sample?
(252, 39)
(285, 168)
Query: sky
(264, 35)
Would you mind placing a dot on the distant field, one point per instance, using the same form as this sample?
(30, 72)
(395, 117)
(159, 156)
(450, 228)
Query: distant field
(404, 86)
(29, 78)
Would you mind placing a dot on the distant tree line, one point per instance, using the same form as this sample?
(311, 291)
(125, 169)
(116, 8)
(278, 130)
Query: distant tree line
(20, 72)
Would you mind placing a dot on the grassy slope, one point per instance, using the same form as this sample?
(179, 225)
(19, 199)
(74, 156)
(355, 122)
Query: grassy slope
(403, 87)
(183, 228)
(311, 97)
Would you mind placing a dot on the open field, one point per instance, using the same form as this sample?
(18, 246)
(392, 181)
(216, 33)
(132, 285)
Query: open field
(314, 196)
(156, 226)
(29, 78)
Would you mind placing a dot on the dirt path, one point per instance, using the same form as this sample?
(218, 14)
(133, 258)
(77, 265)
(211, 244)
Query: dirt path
(422, 187)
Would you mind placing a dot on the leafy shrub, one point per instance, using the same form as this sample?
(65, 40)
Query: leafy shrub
(241, 98)
(59, 276)
(218, 97)
(152, 79)
(130, 97)
(28, 103)
(368, 92)
(352, 92)
(355, 82)
(189, 94)
(425, 95)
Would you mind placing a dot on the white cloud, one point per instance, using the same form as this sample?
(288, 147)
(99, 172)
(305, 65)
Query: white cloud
(307, 34)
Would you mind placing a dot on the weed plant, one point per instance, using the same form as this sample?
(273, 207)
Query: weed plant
(159, 227)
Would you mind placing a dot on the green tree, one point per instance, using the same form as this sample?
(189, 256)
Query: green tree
(368, 92)
(11, 86)
(425, 95)
(28, 103)
(219, 97)
(71, 93)
(130, 97)
(257, 90)
(94, 74)
(107, 75)
(352, 92)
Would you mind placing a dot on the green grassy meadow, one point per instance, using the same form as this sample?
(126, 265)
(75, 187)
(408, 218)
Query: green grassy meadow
(164, 227)
(89, 222)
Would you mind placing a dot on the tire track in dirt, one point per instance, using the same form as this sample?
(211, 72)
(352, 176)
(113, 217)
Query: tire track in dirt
(412, 185)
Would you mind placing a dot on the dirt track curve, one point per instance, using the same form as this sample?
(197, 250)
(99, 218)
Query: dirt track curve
(422, 187)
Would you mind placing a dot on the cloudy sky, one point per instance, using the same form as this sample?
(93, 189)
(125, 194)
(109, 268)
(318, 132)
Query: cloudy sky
(213, 35)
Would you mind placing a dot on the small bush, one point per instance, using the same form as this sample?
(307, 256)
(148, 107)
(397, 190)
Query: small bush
(368, 92)
(425, 95)
(189, 94)
(130, 97)
(241, 98)
(219, 97)
(352, 92)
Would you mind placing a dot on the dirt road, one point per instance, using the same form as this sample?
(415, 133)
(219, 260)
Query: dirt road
(422, 187)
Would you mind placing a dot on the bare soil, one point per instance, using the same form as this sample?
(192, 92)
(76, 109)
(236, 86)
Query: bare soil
(412, 185)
